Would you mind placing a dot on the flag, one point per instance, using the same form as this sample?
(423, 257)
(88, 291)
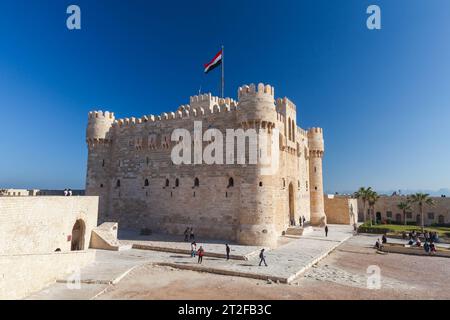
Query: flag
(215, 62)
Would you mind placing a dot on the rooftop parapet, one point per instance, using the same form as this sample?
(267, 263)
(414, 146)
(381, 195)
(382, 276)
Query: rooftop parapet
(252, 90)
(283, 104)
(315, 140)
(99, 124)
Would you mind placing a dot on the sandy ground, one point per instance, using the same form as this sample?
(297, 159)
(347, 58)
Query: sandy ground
(342, 275)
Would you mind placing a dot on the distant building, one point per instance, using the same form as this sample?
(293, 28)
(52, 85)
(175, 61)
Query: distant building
(36, 192)
(386, 210)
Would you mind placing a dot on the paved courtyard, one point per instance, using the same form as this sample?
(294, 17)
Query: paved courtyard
(293, 257)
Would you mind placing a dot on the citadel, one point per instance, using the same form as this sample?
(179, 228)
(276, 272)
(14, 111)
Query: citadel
(131, 170)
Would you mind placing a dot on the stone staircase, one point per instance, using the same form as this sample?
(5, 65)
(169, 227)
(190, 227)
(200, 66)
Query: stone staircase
(105, 237)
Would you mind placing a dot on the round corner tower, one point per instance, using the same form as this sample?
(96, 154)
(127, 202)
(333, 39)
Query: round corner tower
(98, 140)
(316, 150)
(256, 110)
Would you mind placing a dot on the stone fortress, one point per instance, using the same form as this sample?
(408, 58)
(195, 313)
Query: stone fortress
(130, 169)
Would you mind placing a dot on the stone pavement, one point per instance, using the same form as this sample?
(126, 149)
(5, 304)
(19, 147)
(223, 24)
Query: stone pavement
(175, 244)
(285, 263)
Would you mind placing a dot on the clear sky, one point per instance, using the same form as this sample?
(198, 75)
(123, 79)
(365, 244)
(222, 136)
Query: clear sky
(382, 97)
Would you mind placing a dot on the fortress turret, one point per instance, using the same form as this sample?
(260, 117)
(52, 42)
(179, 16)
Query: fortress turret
(316, 150)
(256, 110)
(257, 104)
(98, 139)
(99, 125)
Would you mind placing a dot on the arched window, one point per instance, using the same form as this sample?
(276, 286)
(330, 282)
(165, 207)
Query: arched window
(284, 183)
(118, 183)
(260, 184)
(298, 184)
(306, 183)
(230, 182)
(101, 185)
(167, 182)
(293, 130)
(196, 182)
(177, 182)
(103, 162)
(146, 184)
(441, 219)
(289, 130)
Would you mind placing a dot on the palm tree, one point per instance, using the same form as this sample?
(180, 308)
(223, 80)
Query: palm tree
(405, 206)
(372, 199)
(363, 194)
(421, 199)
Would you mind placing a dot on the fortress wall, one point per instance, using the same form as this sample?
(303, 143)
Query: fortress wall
(341, 209)
(134, 158)
(43, 224)
(23, 274)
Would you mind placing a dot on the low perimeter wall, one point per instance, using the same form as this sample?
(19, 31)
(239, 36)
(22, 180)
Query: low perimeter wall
(21, 275)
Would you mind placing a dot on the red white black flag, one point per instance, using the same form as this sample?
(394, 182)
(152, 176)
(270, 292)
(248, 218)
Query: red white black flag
(215, 62)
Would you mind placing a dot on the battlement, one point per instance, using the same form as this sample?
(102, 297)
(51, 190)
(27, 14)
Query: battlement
(284, 103)
(101, 115)
(252, 90)
(315, 131)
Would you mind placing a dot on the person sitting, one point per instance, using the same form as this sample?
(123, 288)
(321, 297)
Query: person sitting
(410, 242)
(426, 247)
(378, 245)
(384, 239)
(418, 243)
(432, 248)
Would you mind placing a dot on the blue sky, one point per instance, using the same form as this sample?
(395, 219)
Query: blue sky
(382, 97)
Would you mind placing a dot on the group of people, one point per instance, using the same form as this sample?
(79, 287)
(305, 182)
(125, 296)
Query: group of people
(189, 234)
(429, 237)
(67, 192)
(201, 252)
(301, 221)
(379, 244)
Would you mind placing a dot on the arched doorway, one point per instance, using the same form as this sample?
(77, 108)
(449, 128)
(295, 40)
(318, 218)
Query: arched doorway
(378, 217)
(78, 231)
(291, 205)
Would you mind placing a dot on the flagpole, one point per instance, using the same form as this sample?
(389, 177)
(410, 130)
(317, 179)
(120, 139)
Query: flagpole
(223, 72)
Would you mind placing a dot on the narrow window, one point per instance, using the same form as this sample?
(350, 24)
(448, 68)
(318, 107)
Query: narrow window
(146, 184)
(103, 162)
(118, 183)
(101, 186)
(177, 182)
(260, 184)
(230, 182)
(196, 182)
(167, 182)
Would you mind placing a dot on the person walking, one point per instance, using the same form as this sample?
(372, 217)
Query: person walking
(70, 192)
(262, 258)
(186, 234)
(193, 249)
(304, 220)
(326, 230)
(191, 234)
(66, 192)
(227, 249)
(200, 253)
